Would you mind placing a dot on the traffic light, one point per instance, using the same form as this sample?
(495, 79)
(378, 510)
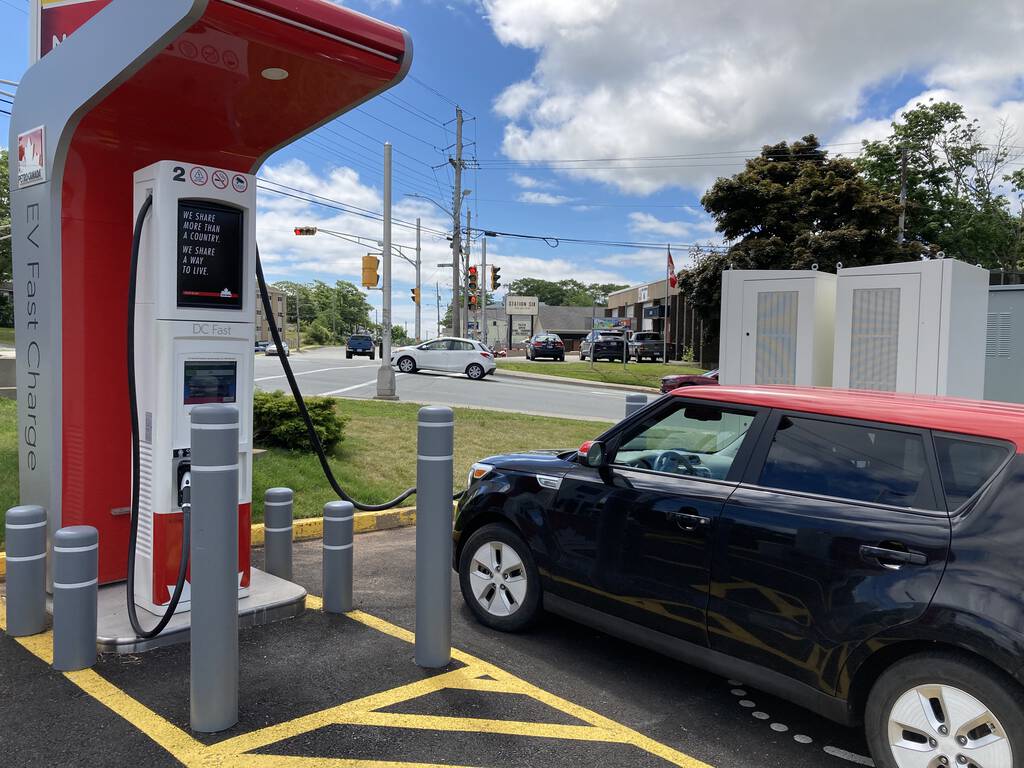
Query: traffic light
(370, 276)
(474, 301)
(495, 278)
(414, 294)
(473, 285)
(305, 231)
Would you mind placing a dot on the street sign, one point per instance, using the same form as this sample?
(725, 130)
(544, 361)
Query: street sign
(658, 311)
(612, 323)
(521, 305)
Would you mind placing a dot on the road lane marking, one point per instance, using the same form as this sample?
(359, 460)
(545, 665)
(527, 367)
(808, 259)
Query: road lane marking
(842, 754)
(317, 370)
(476, 675)
(355, 386)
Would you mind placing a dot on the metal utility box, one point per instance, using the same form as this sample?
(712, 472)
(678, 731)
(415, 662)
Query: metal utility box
(1004, 344)
(777, 327)
(912, 327)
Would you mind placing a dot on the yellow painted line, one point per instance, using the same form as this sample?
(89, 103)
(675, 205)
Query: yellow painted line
(3, 565)
(236, 752)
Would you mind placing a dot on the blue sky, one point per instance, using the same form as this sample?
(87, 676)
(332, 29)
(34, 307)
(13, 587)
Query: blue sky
(697, 86)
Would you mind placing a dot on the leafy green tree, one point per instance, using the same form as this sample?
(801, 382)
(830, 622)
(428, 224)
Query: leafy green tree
(791, 207)
(339, 309)
(952, 175)
(563, 293)
(6, 301)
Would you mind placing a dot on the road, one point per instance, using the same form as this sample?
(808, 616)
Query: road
(325, 371)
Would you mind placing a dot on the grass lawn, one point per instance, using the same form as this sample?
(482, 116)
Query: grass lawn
(6, 335)
(639, 374)
(375, 462)
(377, 459)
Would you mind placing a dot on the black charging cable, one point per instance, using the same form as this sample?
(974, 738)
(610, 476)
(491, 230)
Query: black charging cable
(314, 438)
(133, 403)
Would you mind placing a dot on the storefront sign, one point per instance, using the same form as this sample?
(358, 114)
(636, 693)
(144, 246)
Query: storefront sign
(521, 305)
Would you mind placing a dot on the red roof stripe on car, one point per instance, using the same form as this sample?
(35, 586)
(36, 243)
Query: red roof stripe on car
(981, 418)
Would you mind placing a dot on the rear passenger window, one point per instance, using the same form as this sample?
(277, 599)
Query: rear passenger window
(966, 465)
(849, 461)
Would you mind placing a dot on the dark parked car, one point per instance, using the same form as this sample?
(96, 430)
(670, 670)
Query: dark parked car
(603, 345)
(646, 345)
(860, 554)
(677, 380)
(261, 346)
(360, 344)
(545, 345)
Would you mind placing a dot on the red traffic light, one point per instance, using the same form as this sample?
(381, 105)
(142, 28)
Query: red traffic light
(305, 231)
(472, 271)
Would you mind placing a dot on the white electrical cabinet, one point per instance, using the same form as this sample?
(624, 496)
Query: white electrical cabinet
(777, 327)
(913, 327)
(1004, 344)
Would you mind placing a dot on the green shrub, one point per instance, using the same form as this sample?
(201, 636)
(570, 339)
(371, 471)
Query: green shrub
(318, 333)
(276, 421)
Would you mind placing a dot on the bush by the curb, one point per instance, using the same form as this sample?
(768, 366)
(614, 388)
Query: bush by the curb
(276, 421)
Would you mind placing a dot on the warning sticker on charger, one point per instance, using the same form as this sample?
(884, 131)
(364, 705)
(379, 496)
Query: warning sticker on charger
(210, 255)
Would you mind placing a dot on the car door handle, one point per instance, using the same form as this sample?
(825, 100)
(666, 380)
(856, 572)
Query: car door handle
(689, 521)
(892, 558)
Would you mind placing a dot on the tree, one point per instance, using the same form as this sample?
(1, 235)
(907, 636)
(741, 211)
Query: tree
(563, 293)
(792, 207)
(338, 309)
(951, 175)
(6, 300)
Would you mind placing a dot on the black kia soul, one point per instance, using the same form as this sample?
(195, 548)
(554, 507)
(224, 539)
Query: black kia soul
(860, 554)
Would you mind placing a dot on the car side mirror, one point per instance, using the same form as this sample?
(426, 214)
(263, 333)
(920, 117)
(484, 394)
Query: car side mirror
(593, 454)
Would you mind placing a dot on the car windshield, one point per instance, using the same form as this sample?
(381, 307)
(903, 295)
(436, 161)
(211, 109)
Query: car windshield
(647, 337)
(359, 338)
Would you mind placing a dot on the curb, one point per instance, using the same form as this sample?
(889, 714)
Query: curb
(307, 528)
(575, 382)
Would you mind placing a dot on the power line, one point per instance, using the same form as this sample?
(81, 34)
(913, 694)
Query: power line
(434, 91)
(16, 8)
(396, 128)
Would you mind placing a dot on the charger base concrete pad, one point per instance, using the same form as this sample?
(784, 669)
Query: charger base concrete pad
(270, 599)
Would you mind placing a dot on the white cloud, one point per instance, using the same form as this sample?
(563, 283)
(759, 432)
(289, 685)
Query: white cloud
(543, 198)
(647, 224)
(628, 78)
(528, 182)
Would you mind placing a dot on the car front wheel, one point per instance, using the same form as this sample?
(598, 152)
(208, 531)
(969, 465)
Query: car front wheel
(499, 579)
(406, 364)
(945, 709)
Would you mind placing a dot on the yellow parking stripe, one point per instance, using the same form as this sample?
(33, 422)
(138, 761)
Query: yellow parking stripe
(476, 675)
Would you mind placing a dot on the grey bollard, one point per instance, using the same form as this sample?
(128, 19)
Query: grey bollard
(26, 570)
(213, 676)
(337, 564)
(634, 403)
(76, 565)
(277, 532)
(434, 448)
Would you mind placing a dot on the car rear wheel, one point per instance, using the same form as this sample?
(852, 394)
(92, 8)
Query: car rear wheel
(499, 579)
(939, 709)
(406, 364)
(475, 371)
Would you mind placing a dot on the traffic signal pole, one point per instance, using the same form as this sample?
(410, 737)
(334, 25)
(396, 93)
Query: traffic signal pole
(457, 225)
(385, 374)
(419, 288)
(465, 294)
(482, 315)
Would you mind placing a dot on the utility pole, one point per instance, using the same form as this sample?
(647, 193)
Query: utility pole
(419, 292)
(298, 326)
(457, 223)
(465, 271)
(437, 288)
(903, 194)
(385, 374)
(482, 319)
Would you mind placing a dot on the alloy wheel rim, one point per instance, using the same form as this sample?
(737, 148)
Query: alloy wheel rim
(405, 365)
(933, 726)
(474, 371)
(498, 579)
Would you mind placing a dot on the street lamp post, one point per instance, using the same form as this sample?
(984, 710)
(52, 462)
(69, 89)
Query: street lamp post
(386, 374)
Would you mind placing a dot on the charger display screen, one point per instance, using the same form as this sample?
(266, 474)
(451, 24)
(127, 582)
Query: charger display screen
(210, 381)
(210, 255)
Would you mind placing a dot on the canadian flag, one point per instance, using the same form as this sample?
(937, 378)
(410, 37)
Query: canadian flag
(672, 280)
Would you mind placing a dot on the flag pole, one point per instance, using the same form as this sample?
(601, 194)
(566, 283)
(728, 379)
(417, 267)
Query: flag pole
(664, 322)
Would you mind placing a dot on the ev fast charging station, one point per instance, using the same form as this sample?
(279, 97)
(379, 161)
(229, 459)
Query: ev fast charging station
(146, 124)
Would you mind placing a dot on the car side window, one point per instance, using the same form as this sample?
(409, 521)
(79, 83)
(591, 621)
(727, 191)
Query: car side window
(966, 465)
(462, 346)
(696, 440)
(849, 461)
(436, 346)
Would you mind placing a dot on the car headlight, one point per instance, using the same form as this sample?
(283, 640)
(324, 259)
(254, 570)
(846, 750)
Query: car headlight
(477, 472)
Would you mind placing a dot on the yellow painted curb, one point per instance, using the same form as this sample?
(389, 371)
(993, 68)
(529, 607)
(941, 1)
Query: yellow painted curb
(307, 528)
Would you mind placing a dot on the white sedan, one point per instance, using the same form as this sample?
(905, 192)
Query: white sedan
(446, 354)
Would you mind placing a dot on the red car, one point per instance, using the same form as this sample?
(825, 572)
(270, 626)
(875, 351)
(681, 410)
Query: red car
(677, 380)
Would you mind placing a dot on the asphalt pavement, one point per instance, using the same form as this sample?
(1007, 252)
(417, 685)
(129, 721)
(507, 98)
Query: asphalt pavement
(325, 371)
(324, 690)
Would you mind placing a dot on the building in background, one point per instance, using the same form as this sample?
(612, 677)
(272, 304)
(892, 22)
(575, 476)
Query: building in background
(647, 305)
(278, 301)
(570, 323)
